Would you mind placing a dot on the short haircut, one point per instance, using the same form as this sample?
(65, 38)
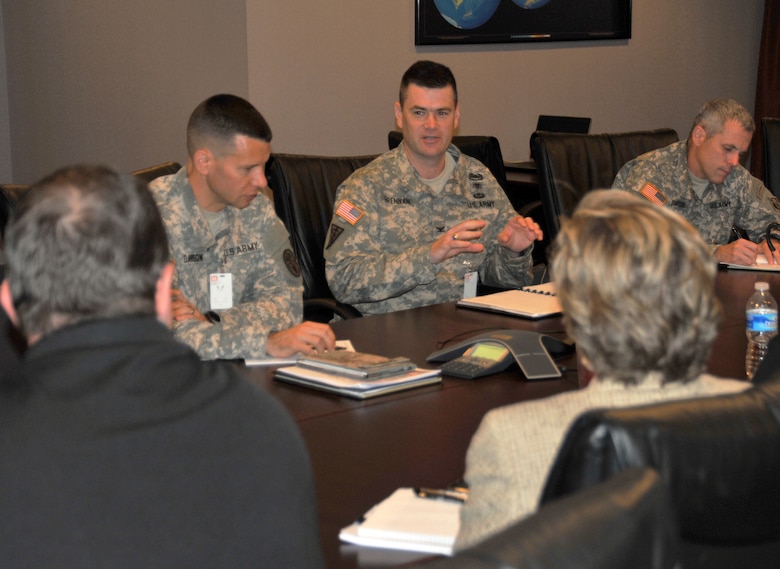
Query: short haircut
(216, 121)
(85, 242)
(637, 287)
(428, 74)
(714, 114)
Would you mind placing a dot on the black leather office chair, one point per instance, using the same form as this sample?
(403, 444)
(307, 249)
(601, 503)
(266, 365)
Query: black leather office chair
(486, 149)
(153, 172)
(719, 457)
(10, 193)
(12, 343)
(625, 523)
(304, 189)
(770, 129)
(570, 165)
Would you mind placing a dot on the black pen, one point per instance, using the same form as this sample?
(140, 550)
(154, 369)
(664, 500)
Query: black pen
(437, 494)
(739, 233)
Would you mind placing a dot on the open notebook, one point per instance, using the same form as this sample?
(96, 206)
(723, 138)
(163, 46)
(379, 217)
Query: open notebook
(405, 521)
(536, 301)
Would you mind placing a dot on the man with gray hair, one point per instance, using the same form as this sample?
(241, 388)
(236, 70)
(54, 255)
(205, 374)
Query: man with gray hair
(118, 446)
(701, 179)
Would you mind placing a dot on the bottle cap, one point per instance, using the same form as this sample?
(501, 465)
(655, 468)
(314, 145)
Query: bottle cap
(761, 285)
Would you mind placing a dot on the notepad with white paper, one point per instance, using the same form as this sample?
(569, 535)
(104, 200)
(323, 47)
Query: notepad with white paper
(538, 301)
(761, 264)
(405, 521)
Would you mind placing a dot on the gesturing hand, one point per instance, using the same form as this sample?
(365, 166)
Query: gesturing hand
(520, 232)
(459, 239)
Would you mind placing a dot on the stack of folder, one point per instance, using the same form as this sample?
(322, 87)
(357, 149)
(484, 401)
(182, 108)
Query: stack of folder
(357, 375)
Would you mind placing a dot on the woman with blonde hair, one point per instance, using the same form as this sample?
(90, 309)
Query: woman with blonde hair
(636, 283)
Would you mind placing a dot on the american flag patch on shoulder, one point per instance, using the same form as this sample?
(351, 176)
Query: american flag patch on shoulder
(653, 194)
(348, 212)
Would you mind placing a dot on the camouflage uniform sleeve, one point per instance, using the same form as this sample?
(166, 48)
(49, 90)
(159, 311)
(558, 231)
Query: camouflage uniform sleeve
(665, 168)
(502, 267)
(759, 207)
(360, 268)
(254, 249)
(270, 301)
(635, 174)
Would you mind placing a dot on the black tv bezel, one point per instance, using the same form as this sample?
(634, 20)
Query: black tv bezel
(513, 24)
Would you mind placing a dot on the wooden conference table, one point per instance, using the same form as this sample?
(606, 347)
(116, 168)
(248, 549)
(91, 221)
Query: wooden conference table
(362, 451)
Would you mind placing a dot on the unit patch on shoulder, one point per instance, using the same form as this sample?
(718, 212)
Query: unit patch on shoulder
(333, 234)
(653, 194)
(348, 212)
(291, 262)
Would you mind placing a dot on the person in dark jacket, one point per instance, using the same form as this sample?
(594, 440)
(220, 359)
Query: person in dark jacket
(119, 447)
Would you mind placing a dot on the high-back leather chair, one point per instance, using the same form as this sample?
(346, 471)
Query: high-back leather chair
(154, 172)
(770, 129)
(624, 523)
(12, 343)
(570, 165)
(718, 456)
(486, 149)
(9, 195)
(304, 189)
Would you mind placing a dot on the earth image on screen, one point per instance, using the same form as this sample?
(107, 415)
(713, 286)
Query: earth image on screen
(467, 14)
(530, 4)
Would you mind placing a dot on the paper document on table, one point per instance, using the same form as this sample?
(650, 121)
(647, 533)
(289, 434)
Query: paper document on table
(408, 522)
(761, 264)
(292, 360)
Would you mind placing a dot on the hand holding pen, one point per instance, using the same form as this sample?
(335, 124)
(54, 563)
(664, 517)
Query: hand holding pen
(743, 251)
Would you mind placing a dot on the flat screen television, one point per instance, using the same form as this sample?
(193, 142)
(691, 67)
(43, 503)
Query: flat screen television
(507, 21)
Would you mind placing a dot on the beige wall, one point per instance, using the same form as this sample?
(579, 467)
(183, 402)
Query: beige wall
(326, 73)
(114, 80)
(5, 135)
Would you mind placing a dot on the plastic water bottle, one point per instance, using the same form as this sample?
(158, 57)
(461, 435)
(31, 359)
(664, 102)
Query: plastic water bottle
(761, 316)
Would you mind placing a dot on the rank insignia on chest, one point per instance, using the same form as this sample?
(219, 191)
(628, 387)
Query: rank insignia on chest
(653, 194)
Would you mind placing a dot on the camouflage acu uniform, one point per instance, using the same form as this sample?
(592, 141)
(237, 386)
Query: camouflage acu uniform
(378, 249)
(740, 200)
(254, 248)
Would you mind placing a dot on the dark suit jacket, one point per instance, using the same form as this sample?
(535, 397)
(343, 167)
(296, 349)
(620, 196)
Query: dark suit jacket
(120, 448)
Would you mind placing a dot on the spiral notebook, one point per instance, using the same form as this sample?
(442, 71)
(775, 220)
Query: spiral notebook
(537, 301)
